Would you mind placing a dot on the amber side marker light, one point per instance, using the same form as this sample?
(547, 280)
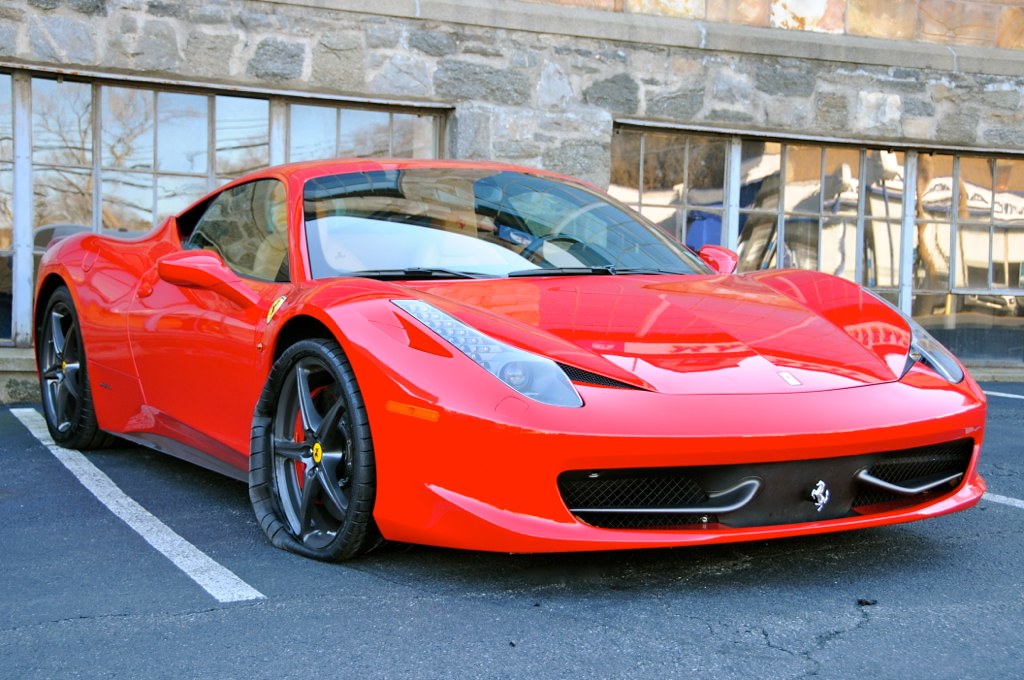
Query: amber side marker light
(427, 414)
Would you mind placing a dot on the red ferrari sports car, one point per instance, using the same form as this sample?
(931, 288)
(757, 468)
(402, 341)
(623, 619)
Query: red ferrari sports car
(489, 357)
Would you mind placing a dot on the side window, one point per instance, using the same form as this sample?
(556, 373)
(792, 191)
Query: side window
(248, 227)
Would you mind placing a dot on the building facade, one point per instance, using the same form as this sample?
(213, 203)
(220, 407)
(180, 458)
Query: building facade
(879, 141)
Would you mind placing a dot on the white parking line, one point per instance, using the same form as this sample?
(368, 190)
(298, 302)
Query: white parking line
(214, 578)
(1004, 394)
(1005, 500)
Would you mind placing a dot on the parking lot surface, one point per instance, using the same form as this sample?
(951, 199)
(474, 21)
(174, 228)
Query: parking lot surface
(84, 595)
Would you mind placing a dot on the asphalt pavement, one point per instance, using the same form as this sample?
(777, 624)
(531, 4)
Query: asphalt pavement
(84, 595)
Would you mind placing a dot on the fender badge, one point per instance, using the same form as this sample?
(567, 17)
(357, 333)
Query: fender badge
(790, 379)
(274, 306)
(820, 495)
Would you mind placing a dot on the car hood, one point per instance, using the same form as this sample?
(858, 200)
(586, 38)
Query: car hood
(768, 332)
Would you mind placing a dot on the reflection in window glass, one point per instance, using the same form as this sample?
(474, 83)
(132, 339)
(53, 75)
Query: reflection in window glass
(6, 277)
(174, 194)
(413, 136)
(1008, 227)
(6, 118)
(61, 123)
(802, 188)
(978, 325)
(182, 132)
(243, 135)
(6, 206)
(760, 183)
(127, 201)
(883, 206)
(364, 134)
(312, 132)
(128, 123)
(665, 165)
(62, 196)
(625, 172)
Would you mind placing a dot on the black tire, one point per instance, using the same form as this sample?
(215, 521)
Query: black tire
(64, 378)
(312, 477)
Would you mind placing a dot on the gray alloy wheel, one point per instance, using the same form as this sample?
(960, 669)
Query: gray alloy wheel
(63, 379)
(311, 468)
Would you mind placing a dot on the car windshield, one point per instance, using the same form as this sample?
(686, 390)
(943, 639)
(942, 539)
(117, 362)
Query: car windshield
(468, 222)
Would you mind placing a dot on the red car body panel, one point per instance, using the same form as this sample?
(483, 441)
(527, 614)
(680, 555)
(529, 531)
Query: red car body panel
(462, 460)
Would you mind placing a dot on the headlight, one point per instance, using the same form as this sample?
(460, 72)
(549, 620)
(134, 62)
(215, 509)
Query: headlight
(533, 376)
(925, 349)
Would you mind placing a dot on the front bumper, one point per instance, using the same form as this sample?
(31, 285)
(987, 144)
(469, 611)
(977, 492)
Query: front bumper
(483, 473)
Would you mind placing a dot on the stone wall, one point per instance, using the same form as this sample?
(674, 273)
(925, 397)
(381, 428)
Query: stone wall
(522, 94)
(983, 23)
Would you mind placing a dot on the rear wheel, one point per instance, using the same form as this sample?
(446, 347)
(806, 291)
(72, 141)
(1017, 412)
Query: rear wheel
(311, 470)
(63, 379)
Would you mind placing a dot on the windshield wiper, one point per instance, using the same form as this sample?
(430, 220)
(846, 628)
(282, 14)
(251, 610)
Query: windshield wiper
(415, 273)
(564, 271)
(648, 270)
(606, 270)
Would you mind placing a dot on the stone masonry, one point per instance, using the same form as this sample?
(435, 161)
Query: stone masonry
(528, 88)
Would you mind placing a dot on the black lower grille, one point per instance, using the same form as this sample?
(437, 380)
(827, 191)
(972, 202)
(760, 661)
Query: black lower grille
(907, 466)
(763, 494)
(633, 489)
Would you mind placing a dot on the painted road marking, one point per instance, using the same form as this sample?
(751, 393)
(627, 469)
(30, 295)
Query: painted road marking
(1005, 394)
(1005, 500)
(994, 497)
(214, 578)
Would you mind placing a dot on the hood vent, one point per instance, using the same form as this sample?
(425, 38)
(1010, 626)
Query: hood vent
(578, 375)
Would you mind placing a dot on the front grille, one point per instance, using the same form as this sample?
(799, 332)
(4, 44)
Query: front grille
(762, 494)
(607, 490)
(904, 467)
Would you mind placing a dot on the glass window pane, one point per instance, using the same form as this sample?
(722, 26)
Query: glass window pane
(802, 190)
(127, 201)
(665, 168)
(6, 205)
(931, 260)
(760, 165)
(1008, 230)
(839, 245)
(881, 253)
(757, 241)
(976, 173)
(313, 132)
(182, 132)
(936, 193)
(978, 326)
(174, 194)
(625, 175)
(61, 123)
(413, 136)
(62, 196)
(801, 243)
(972, 256)
(364, 134)
(243, 135)
(128, 125)
(6, 279)
(6, 118)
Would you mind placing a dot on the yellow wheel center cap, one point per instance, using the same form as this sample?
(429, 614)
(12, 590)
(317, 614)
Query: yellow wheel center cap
(64, 366)
(318, 453)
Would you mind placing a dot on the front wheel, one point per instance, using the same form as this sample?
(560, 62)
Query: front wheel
(312, 478)
(63, 380)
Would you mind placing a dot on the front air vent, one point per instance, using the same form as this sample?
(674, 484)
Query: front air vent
(578, 375)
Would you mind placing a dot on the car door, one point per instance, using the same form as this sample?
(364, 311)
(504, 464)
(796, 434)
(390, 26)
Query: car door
(195, 324)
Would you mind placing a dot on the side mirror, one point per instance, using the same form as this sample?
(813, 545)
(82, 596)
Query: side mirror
(722, 260)
(205, 270)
